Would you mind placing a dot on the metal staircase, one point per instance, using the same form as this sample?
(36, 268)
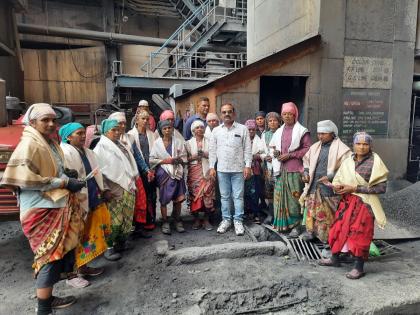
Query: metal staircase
(207, 23)
(186, 7)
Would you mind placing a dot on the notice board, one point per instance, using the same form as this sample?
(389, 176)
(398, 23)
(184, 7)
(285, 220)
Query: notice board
(365, 110)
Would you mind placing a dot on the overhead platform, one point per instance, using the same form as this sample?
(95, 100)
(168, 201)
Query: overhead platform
(128, 81)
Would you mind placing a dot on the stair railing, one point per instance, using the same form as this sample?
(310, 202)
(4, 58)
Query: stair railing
(186, 35)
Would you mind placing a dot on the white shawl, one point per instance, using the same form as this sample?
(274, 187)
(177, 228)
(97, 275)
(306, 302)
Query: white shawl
(159, 153)
(134, 136)
(115, 165)
(258, 146)
(73, 160)
(275, 143)
(208, 133)
(192, 148)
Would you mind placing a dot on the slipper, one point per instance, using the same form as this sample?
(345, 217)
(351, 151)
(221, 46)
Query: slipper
(355, 276)
(328, 263)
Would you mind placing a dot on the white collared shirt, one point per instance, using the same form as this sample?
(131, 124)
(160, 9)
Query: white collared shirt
(230, 148)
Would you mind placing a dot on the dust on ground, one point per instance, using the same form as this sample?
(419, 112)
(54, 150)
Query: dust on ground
(142, 282)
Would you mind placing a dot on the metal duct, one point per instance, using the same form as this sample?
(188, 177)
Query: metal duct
(111, 37)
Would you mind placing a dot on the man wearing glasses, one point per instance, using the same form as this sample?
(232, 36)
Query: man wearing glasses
(230, 147)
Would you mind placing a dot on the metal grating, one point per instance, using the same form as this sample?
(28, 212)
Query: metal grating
(310, 251)
(385, 249)
(304, 251)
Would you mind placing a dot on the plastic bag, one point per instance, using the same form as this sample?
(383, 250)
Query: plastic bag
(374, 250)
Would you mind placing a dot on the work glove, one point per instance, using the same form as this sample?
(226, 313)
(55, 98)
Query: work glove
(75, 185)
(71, 173)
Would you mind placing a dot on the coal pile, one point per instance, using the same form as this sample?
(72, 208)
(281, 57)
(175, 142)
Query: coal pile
(403, 206)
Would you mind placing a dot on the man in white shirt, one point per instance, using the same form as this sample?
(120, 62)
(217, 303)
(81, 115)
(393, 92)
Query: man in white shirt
(230, 147)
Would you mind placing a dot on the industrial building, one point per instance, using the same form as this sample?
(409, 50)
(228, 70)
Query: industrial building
(350, 61)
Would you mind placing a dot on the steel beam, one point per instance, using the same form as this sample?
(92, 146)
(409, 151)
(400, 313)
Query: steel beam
(126, 81)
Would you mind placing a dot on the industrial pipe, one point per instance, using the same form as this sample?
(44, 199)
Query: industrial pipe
(105, 36)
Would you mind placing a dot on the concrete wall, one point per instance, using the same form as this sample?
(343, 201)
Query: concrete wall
(390, 34)
(273, 25)
(379, 33)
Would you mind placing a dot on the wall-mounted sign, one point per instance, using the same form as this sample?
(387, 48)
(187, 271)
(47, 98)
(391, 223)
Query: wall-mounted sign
(365, 110)
(367, 72)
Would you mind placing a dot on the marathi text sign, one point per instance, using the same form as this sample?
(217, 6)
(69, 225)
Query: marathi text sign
(367, 72)
(365, 110)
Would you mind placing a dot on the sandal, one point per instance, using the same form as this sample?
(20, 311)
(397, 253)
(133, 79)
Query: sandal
(355, 274)
(196, 225)
(77, 282)
(89, 271)
(328, 263)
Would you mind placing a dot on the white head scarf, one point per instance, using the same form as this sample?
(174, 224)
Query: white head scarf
(143, 103)
(38, 110)
(118, 116)
(195, 124)
(327, 126)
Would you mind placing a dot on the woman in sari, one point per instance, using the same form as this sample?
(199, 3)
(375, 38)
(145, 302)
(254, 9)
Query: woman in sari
(201, 186)
(50, 213)
(212, 122)
(273, 122)
(168, 155)
(143, 139)
(290, 143)
(254, 184)
(320, 164)
(170, 116)
(119, 169)
(360, 178)
(92, 199)
(140, 205)
(260, 120)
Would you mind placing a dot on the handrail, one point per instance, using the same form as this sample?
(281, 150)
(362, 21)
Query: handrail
(188, 33)
(182, 26)
(181, 42)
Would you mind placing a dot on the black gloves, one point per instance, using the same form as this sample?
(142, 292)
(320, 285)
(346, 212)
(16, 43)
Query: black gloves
(71, 173)
(74, 185)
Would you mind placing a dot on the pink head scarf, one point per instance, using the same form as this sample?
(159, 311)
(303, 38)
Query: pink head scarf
(290, 107)
(251, 124)
(167, 114)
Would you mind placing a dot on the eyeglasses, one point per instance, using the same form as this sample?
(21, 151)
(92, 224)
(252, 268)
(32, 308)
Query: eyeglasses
(224, 112)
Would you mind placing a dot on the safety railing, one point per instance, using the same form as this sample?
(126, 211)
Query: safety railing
(202, 64)
(165, 63)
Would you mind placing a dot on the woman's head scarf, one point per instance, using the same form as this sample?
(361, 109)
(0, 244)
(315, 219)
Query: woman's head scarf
(108, 124)
(66, 130)
(195, 124)
(37, 111)
(290, 107)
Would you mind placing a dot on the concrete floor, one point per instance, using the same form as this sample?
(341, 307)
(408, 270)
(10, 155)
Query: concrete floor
(142, 283)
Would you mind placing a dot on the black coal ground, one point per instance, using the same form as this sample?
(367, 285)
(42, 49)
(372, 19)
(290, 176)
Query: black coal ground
(141, 282)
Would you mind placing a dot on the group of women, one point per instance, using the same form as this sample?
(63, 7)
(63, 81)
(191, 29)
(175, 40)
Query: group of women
(77, 203)
(321, 190)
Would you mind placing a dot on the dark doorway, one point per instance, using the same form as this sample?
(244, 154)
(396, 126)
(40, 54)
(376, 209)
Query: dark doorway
(276, 90)
(413, 166)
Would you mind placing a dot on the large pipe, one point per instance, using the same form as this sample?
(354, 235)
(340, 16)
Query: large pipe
(111, 37)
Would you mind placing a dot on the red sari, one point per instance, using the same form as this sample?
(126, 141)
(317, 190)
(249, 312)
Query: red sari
(353, 226)
(140, 207)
